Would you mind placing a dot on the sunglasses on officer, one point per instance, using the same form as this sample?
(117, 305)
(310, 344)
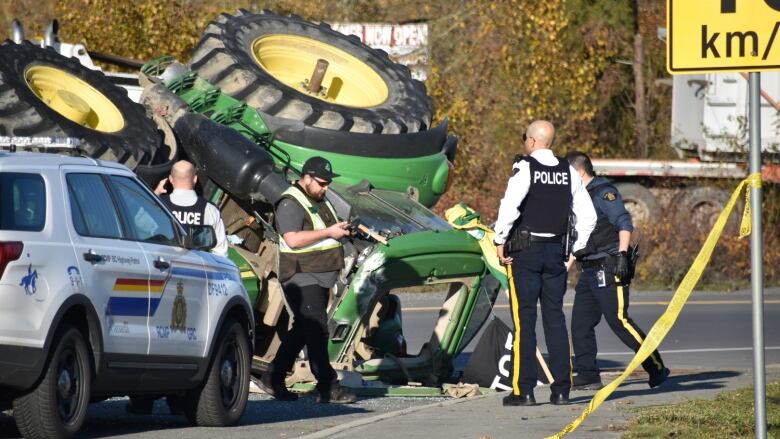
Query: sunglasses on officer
(322, 183)
(526, 137)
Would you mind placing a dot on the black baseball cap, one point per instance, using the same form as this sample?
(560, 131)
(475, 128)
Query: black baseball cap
(319, 167)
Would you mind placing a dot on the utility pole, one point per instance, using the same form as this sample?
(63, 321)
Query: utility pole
(640, 105)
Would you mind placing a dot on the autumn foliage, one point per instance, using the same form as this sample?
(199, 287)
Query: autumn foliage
(496, 65)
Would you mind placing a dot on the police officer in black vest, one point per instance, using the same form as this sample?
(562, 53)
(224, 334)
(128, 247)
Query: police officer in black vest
(188, 207)
(603, 285)
(310, 257)
(531, 236)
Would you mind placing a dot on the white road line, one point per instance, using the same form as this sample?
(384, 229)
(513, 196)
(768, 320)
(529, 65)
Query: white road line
(635, 303)
(691, 351)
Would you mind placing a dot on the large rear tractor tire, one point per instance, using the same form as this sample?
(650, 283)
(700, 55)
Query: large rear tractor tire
(267, 60)
(57, 406)
(46, 94)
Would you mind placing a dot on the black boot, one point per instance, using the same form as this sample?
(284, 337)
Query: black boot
(582, 382)
(659, 378)
(517, 400)
(275, 389)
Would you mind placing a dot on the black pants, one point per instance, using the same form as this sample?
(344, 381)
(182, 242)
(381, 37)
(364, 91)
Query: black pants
(611, 301)
(310, 328)
(539, 275)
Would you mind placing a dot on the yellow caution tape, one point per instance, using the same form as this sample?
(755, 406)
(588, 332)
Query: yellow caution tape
(664, 323)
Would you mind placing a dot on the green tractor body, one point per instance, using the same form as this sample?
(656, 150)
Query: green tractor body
(421, 168)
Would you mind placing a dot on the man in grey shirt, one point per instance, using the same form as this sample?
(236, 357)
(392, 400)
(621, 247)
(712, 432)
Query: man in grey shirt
(310, 257)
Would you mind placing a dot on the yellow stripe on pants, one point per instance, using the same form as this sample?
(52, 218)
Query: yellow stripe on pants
(628, 327)
(516, 338)
(664, 323)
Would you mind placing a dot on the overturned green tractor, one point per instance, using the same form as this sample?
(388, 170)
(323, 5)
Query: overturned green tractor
(248, 111)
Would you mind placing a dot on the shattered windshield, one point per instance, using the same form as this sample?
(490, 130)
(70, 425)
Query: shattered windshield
(387, 212)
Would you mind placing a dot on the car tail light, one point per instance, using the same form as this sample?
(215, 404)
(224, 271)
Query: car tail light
(9, 251)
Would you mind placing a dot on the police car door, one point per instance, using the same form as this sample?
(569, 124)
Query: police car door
(178, 318)
(111, 269)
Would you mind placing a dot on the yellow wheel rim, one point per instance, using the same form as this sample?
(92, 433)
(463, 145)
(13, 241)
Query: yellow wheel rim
(348, 81)
(74, 99)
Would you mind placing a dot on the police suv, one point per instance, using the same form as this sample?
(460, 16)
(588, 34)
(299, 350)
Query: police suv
(103, 293)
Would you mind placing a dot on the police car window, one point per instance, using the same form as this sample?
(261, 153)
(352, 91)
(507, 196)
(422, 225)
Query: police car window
(146, 218)
(91, 207)
(22, 202)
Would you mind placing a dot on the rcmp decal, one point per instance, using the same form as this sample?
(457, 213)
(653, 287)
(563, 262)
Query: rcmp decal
(74, 275)
(165, 332)
(134, 297)
(610, 196)
(118, 328)
(29, 281)
(179, 311)
(134, 300)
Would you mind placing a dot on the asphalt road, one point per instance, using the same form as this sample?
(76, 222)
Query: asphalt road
(714, 330)
(713, 333)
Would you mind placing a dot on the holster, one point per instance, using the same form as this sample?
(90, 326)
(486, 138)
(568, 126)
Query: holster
(519, 239)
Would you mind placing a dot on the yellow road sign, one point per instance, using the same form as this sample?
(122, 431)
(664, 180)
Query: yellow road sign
(722, 35)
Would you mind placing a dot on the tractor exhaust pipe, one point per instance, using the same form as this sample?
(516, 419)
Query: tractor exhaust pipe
(315, 83)
(241, 167)
(17, 31)
(50, 37)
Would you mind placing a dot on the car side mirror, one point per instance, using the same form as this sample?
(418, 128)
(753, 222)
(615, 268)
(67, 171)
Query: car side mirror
(200, 238)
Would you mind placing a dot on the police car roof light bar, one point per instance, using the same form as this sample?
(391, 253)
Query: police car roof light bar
(41, 144)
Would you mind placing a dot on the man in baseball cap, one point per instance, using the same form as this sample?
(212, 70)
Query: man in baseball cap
(310, 258)
(319, 167)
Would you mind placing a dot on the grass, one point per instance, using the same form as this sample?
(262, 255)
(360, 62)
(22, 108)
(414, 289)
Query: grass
(729, 415)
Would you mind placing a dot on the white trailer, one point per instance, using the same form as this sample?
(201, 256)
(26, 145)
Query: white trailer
(709, 133)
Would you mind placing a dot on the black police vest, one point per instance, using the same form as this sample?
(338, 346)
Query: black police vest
(546, 207)
(194, 215)
(604, 236)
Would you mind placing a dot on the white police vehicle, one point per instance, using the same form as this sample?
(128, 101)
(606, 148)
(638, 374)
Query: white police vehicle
(102, 293)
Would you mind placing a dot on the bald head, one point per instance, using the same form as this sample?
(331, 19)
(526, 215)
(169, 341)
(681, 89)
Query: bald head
(183, 175)
(542, 132)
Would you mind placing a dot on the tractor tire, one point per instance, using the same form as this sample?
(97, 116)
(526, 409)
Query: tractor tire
(266, 61)
(46, 94)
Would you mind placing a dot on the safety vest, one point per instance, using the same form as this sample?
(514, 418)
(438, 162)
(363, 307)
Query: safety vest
(605, 236)
(322, 256)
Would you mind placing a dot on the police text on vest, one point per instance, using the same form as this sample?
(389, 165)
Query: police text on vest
(190, 218)
(549, 177)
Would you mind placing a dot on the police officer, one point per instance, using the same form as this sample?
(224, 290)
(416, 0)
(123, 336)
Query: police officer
(603, 285)
(188, 207)
(310, 259)
(530, 237)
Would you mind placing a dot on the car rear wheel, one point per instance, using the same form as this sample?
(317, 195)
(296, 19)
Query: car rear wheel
(222, 398)
(57, 406)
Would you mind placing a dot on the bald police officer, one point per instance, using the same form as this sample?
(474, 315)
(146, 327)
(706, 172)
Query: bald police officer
(531, 231)
(603, 285)
(188, 207)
